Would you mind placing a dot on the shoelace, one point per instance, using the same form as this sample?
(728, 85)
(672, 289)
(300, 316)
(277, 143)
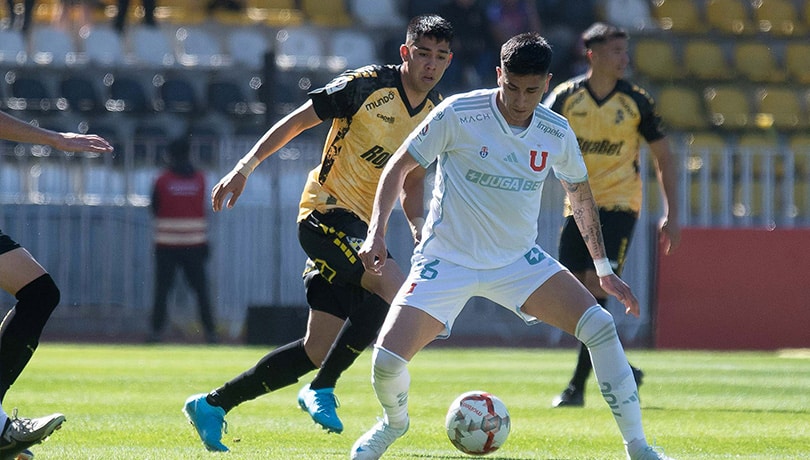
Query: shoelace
(326, 400)
(386, 438)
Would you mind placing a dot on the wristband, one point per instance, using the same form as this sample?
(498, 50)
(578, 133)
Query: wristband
(603, 267)
(246, 166)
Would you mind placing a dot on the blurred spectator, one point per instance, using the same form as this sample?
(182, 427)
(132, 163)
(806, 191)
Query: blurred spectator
(120, 20)
(21, 14)
(563, 24)
(508, 18)
(181, 241)
(474, 54)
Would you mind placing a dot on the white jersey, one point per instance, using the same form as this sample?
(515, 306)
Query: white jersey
(489, 179)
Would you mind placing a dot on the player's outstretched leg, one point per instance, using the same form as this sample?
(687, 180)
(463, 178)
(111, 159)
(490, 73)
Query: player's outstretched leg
(321, 405)
(21, 433)
(208, 420)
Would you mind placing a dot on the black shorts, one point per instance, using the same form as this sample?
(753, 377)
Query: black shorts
(7, 244)
(331, 241)
(336, 299)
(617, 229)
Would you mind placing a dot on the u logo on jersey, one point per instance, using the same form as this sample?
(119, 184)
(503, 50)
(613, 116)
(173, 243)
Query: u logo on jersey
(534, 165)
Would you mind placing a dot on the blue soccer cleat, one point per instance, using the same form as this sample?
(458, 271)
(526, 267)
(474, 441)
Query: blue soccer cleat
(321, 405)
(208, 420)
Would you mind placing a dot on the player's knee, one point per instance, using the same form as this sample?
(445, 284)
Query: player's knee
(41, 295)
(596, 327)
(387, 365)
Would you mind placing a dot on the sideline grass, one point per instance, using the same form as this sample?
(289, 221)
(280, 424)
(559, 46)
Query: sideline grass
(123, 402)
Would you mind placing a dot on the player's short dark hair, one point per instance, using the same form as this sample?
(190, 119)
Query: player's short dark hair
(526, 54)
(429, 25)
(179, 150)
(600, 32)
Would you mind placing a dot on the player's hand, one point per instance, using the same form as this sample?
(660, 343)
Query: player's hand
(373, 254)
(669, 235)
(232, 184)
(73, 142)
(614, 286)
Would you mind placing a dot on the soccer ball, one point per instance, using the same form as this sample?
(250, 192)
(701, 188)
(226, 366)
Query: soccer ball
(477, 423)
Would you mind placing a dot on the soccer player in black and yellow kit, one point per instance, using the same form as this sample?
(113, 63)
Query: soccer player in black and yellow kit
(611, 117)
(372, 110)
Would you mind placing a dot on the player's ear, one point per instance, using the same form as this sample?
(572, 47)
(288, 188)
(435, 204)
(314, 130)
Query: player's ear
(404, 52)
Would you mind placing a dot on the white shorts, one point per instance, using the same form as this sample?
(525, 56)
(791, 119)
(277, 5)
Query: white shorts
(441, 288)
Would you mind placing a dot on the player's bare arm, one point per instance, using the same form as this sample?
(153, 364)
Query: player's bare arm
(412, 199)
(586, 215)
(16, 130)
(286, 129)
(373, 252)
(667, 172)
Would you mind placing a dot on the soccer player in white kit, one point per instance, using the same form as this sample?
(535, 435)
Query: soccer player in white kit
(494, 149)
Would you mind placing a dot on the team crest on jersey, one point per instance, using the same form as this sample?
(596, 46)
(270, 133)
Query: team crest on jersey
(619, 117)
(484, 151)
(535, 166)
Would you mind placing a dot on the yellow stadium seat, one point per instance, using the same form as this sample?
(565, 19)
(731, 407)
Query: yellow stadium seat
(328, 13)
(779, 107)
(680, 16)
(681, 108)
(656, 58)
(275, 13)
(728, 106)
(729, 17)
(181, 12)
(706, 60)
(757, 62)
(797, 62)
(777, 17)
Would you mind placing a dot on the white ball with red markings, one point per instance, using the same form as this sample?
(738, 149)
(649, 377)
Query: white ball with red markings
(477, 423)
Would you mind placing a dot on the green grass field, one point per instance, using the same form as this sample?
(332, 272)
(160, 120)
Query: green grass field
(123, 402)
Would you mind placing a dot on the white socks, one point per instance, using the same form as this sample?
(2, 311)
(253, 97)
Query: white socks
(391, 380)
(598, 332)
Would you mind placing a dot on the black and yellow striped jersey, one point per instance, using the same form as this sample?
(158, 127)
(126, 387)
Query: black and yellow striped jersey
(609, 132)
(371, 118)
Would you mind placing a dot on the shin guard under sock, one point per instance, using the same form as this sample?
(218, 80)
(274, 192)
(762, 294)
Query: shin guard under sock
(597, 330)
(278, 369)
(391, 381)
(584, 366)
(357, 334)
(22, 327)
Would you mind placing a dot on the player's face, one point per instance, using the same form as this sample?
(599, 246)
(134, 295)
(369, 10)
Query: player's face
(424, 62)
(611, 58)
(519, 95)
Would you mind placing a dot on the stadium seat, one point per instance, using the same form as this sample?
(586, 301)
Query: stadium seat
(709, 168)
(679, 16)
(180, 12)
(151, 47)
(196, 47)
(729, 17)
(52, 47)
(757, 62)
(379, 14)
(248, 47)
(102, 46)
(777, 17)
(227, 98)
(299, 47)
(12, 48)
(80, 93)
(706, 60)
(657, 59)
(729, 106)
(681, 108)
(796, 61)
(30, 93)
(327, 13)
(127, 94)
(780, 107)
(353, 48)
(274, 13)
(177, 95)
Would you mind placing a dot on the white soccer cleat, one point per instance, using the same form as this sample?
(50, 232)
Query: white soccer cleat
(376, 441)
(648, 453)
(21, 433)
